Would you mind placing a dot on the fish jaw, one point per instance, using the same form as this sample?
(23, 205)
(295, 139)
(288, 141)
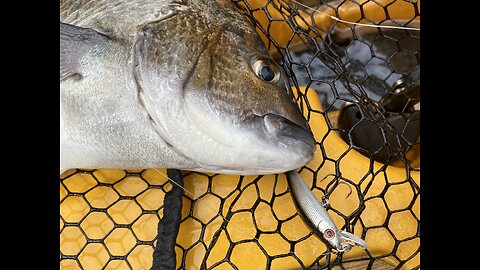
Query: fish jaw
(218, 146)
(266, 144)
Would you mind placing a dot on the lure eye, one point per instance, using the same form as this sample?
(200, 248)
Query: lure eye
(266, 71)
(328, 234)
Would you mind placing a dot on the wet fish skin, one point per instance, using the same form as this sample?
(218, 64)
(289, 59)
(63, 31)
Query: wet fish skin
(171, 85)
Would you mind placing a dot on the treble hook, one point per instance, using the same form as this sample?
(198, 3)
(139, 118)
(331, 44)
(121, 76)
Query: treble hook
(338, 181)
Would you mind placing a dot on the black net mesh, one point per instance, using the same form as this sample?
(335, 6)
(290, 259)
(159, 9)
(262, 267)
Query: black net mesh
(359, 88)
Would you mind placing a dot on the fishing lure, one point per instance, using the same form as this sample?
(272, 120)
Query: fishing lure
(315, 215)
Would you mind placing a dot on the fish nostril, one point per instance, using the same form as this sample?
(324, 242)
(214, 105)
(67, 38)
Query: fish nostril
(281, 127)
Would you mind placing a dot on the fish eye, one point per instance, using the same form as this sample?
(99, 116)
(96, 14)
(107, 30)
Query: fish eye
(266, 71)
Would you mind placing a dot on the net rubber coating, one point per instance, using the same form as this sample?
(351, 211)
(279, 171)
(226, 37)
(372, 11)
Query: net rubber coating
(164, 253)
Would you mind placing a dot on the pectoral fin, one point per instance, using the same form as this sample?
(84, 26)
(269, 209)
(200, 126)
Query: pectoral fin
(75, 42)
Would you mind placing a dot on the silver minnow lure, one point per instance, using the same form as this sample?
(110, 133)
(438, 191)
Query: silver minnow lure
(316, 216)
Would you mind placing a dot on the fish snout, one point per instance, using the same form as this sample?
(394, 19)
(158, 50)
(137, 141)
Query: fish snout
(289, 132)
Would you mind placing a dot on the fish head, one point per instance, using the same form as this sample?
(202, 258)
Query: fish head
(233, 113)
(246, 108)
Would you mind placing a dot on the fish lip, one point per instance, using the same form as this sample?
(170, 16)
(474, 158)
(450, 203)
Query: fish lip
(289, 132)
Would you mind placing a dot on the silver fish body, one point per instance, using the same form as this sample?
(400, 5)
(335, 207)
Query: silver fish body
(185, 85)
(317, 217)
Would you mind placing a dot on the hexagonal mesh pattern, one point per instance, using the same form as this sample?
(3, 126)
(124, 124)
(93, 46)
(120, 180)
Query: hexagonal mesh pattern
(359, 88)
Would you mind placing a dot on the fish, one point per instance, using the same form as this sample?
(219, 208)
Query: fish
(173, 84)
(317, 218)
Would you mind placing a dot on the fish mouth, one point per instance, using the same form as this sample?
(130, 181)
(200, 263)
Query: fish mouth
(280, 131)
(290, 133)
